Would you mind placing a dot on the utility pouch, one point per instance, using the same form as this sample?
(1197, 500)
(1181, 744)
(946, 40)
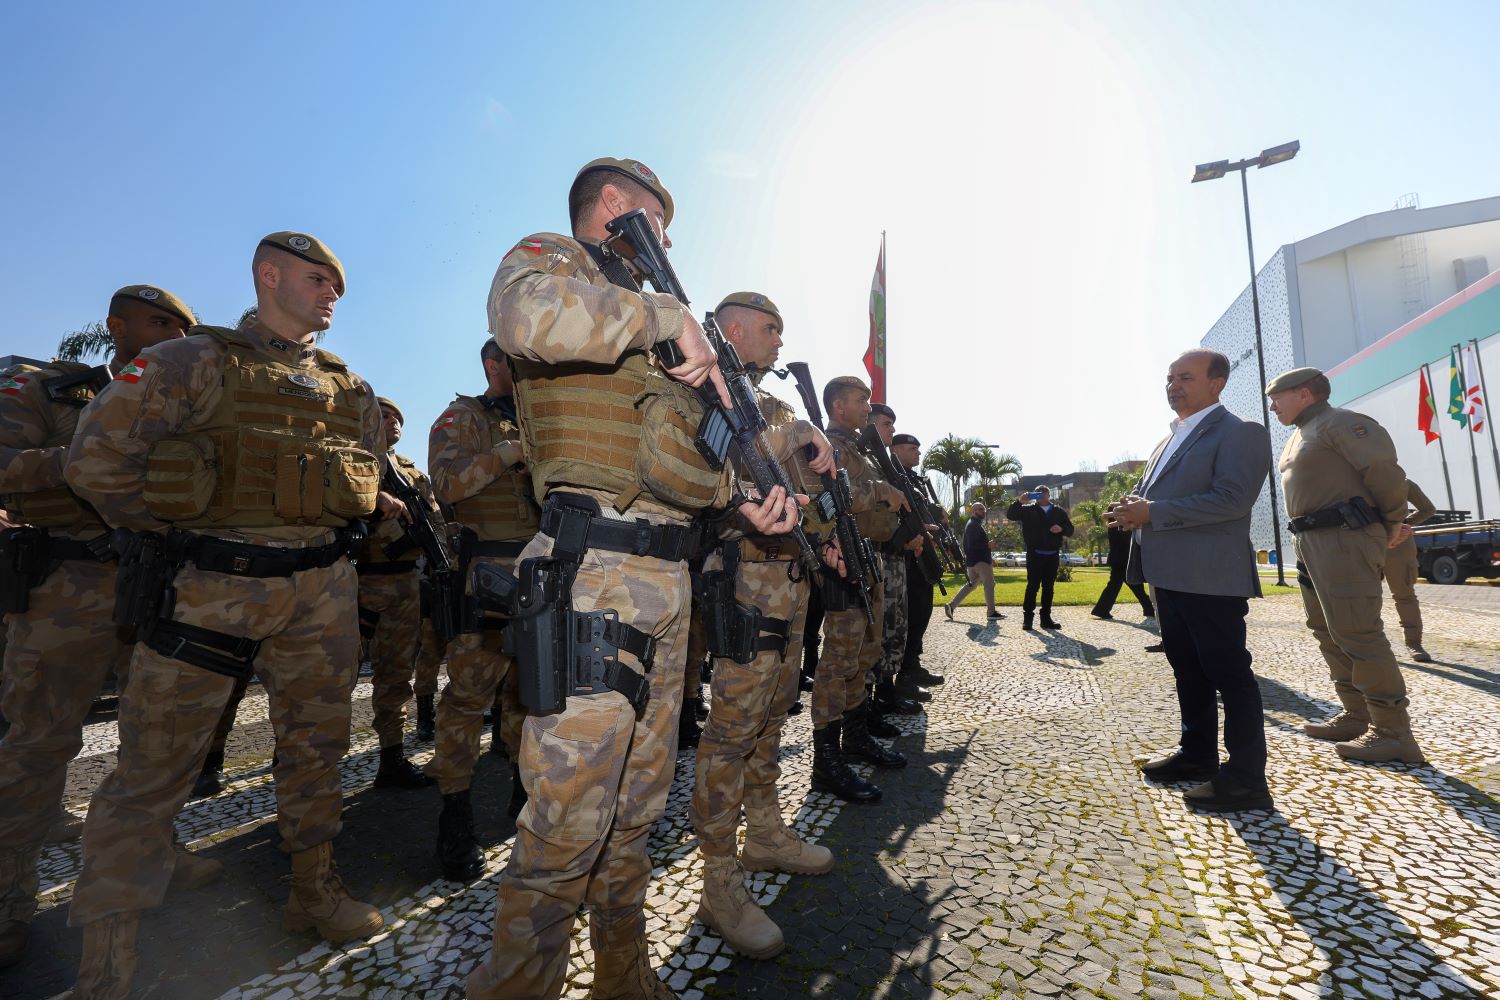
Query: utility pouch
(351, 481)
(675, 461)
(23, 564)
(180, 478)
(1358, 513)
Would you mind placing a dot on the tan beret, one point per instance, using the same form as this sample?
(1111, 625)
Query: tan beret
(845, 382)
(156, 297)
(386, 404)
(1291, 380)
(756, 301)
(309, 248)
(633, 169)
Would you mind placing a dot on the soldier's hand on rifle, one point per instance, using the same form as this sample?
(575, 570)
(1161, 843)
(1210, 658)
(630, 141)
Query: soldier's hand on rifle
(833, 556)
(510, 453)
(387, 507)
(777, 514)
(822, 453)
(700, 362)
(915, 545)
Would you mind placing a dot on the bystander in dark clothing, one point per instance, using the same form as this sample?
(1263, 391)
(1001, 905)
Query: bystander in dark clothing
(977, 564)
(1044, 525)
(1119, 556)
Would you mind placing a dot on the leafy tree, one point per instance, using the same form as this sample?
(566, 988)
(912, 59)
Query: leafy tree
(953, 457)
(991, 468)
(92, 340)
(248, 316)
(1089, 514)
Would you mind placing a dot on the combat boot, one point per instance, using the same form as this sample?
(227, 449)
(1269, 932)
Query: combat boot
(771, 847)
(1382, 746)
(920, 676)
(888, 700)
(857, 741)
(65, 827)
(727, 909)
(1026, 622)
(626, 974)
(831, 772)
(1344, 726)
(211, 778)
(518, 795)
(319, 902)
(878, 726)
(458, 853)
(426, 718)
(108, 962)
(192, 871)
(398, 772)
(1418, 654)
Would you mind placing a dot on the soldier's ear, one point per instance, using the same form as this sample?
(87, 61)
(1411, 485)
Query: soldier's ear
(115, 325)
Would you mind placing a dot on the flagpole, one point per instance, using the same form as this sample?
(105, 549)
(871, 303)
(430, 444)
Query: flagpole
(1484, 391)
(1442, 450)
(1458, 357)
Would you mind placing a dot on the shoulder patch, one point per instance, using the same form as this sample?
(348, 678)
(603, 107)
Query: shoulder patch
(132, 372)
(12, 385)
(448, 419)
(1359, 430)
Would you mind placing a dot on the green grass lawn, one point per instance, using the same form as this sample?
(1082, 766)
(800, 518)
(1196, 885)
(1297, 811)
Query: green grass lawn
(1083, 589)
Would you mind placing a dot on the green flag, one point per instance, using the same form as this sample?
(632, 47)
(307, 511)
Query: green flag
(1456, 408)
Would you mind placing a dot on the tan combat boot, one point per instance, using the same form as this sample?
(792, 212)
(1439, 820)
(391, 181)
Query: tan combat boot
(771, 847)
(1418, 654)
(1343, 726)
(1382, 746)
(191, 871)
(319, 902)
(727, 909)
(108, 962)
(626, 974)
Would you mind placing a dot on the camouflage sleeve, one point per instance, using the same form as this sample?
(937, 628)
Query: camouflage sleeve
(1425, 510)
(459, 456)
(1369, 448)
(26, 420)
(540, 308)
(106, 462)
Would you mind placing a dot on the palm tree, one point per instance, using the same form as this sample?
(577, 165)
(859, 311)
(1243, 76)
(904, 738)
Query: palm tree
(954, 457)
(1091, 513)
(91, 340)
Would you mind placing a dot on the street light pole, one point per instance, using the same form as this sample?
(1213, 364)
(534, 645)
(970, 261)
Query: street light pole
(1213, 171)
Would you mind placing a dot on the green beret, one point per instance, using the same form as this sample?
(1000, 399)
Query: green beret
(386, 404)
(633, 169)
(756, 301)
(1291, 379)
(881, 410)
(905, 439)
(309, 248)
(160, 298)
(845, 382)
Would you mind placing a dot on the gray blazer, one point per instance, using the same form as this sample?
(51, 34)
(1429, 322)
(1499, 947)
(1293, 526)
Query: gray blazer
(1198, 540)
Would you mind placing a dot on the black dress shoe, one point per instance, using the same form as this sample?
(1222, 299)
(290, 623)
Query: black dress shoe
(1103, 615)
(1048, 623)
(920, 675)
(1223, 797)
(1157, 647)
(891, 703)
(1175, 767)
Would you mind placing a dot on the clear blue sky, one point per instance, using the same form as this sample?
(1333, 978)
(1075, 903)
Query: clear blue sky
(1029, 160)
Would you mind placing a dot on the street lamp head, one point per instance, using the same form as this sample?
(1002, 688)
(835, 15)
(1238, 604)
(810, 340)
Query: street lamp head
(1278, 154)
(1210, 171)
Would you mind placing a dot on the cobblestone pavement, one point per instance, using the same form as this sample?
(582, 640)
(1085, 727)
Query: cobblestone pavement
(1019, 855)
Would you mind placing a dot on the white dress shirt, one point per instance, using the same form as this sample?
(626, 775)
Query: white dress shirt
(1181, 428)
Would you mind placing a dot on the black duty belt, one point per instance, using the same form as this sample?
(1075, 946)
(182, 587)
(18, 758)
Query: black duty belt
(560, 518)
(93, 550)
(1330, 518)
(1355, 512)
(218, 555)
(499, 550)
(387, 568)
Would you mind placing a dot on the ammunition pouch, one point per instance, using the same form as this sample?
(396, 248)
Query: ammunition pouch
(1355, 512)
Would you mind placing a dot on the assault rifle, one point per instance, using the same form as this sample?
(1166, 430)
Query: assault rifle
(837, 501)
(947, 540)
(446, 595)
(740, 426)
(60, 387)
(911, 519)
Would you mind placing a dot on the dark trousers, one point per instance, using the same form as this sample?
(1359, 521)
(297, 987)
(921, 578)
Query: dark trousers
(1204, 636)
(918, 614)
(1041, 572)
(1112, 591)
(812, 632)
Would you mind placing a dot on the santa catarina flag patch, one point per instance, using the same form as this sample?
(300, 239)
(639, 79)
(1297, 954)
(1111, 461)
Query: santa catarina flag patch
(446, 420)
(133, 371)
(530, 246)
(12, 386)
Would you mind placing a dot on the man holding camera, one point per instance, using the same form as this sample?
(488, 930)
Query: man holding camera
(1043, 527)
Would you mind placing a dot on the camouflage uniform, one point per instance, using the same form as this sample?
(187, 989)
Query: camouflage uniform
(893, 641)
(186, 393)
(59, 652)
(598, 771)
(493, 503)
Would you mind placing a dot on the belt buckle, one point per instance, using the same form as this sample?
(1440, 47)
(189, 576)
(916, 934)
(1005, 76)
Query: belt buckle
(240, 564)
(642, 537)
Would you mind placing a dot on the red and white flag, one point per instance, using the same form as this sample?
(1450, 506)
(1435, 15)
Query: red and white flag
(1473, 401)
(875, 352)
(1426, 407)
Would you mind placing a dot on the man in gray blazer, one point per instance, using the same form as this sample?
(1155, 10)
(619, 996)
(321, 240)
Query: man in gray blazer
(1190, 524)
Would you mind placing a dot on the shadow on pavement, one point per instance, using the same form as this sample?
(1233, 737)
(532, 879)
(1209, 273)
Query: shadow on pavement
(1487, 681)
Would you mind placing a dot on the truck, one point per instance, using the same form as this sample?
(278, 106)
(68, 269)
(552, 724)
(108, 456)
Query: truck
(1451, 548)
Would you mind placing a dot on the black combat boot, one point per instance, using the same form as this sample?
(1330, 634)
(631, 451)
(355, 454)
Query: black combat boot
(858, 743)
(888, 700)
(426, 718)
(458, 853)
(832, 773)
(211, 778)
(1026, 621)
(517, 793)
(919, 676)
(398, 772)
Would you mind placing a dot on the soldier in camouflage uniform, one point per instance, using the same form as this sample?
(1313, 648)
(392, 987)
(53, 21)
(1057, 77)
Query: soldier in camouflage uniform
(62, 648)
(738, 751)
(851, 646)
(390, 614)
(474, 452)
(1401, 574)
(249, 453)
(608, 441)
(883, 697)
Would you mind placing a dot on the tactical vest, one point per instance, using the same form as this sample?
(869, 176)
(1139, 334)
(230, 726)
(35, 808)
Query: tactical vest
(503, 511)
(281, 447)
(876, 523)
(387, 539)
(57, 507)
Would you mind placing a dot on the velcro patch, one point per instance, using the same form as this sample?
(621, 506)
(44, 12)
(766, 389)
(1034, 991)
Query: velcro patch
(12, 386)
(133, 371)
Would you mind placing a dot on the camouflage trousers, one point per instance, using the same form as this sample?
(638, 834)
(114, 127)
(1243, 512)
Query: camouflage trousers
(893, 636)
(1401, 577)
(57, 657)
(429, 660)
(851, 648)
(597, 774)
(393, 602)
(479, 676)
(737, 754)
(308, 663)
